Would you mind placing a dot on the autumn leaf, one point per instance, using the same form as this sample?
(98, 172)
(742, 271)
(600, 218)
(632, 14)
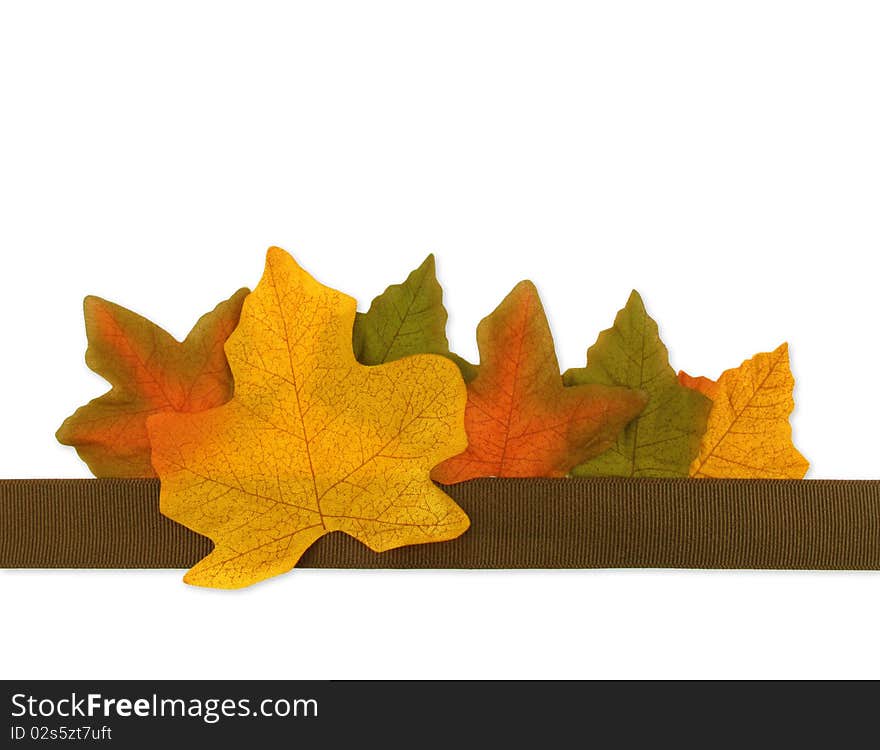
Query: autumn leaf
(698, 383)
(521, 420)
(748, 434)
(665, 438)
(150, 372)
(312, 441)
(406, 319)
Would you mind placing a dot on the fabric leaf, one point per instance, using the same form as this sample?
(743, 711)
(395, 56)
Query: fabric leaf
(665, 438)
(748, 434)
(698, 383)
(406, 319)
(150, 372)
(312, 441)
(521, 420)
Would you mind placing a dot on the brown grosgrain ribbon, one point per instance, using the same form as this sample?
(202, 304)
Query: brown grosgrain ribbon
(515, 523)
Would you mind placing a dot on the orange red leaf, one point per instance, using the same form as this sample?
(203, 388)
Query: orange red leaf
(150, 372)
(521, 420)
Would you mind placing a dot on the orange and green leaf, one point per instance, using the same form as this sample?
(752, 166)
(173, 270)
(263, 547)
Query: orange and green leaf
(312, 441)
(150, 372)
(748, 434)
(665, 438)
(521, 420)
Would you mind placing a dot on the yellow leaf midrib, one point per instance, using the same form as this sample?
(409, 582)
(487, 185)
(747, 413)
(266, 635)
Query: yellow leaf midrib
(295, 385)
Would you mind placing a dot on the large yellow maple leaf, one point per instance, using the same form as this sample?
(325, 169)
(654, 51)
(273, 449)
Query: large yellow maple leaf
(311, 442)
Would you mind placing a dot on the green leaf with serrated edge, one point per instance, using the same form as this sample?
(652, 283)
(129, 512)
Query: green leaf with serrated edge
(406, 319)
(664, 439)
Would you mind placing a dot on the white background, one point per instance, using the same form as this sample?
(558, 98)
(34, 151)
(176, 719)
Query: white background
(722, 158)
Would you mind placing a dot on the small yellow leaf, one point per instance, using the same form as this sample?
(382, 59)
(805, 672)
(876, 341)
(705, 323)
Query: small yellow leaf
(748, 435)
(312, 441)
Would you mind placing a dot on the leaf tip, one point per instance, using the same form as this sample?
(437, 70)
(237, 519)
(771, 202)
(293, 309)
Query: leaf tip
(635, 300)
(61, 434)
(93, 306)
(92, 300)
(240, 294)
(526, 286)
(523, 294)
(276, 256)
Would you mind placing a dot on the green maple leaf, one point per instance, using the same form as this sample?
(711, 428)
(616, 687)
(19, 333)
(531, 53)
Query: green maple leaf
(406, 319)
(664, 439)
